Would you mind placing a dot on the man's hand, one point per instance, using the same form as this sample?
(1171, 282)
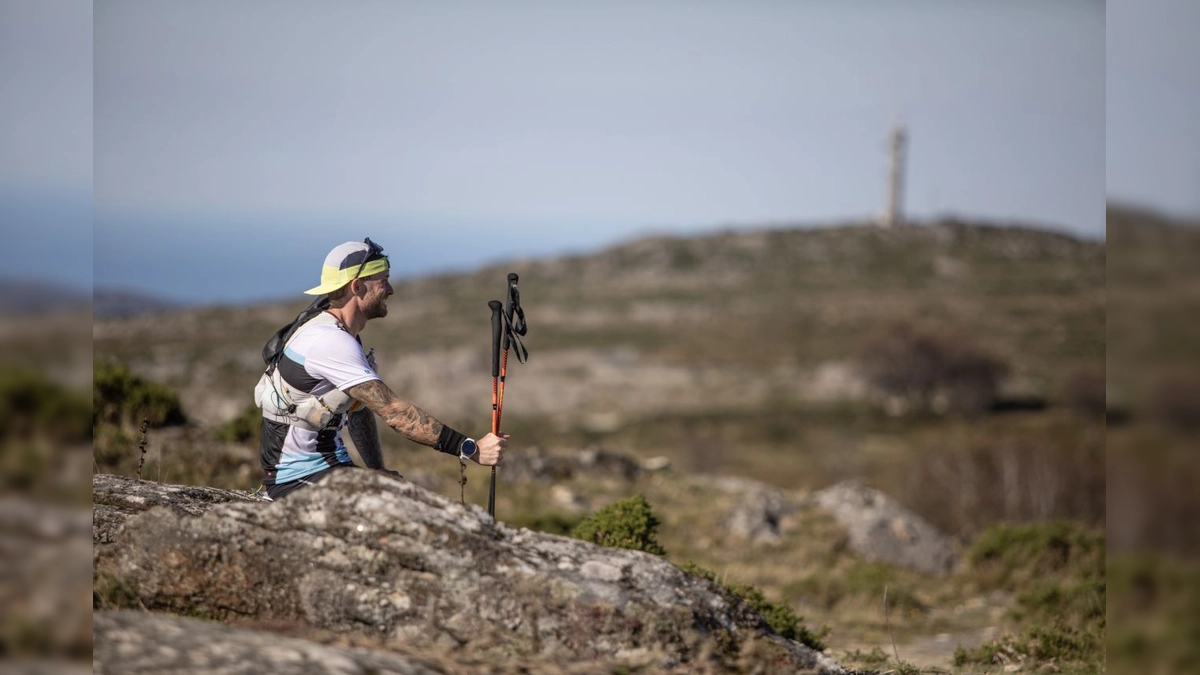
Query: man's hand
(491, 449)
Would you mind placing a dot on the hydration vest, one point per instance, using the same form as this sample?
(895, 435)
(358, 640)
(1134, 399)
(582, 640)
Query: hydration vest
(283, 402)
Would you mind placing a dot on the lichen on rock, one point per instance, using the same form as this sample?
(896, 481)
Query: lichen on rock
(381, 559)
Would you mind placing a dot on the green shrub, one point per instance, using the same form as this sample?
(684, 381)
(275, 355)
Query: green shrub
(1077, 604)
(33, 406)
(778, 615)
(1058, 572)
(875, 657)
(628, 523)
(245, 428)
(120, 397)
(39, 421)
(1012, 556)
(1036, 645)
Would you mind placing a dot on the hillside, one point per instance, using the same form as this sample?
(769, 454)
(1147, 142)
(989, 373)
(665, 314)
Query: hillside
(740, 333)
(758, 302)
(737, 360)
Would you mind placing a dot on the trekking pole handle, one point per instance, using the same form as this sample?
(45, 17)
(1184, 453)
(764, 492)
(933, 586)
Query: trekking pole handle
(497, 327)
(509, 302)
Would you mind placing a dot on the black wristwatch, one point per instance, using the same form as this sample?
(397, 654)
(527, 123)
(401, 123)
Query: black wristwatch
(468, 448)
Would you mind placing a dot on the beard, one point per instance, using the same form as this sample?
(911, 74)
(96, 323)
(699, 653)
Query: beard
(376, 309)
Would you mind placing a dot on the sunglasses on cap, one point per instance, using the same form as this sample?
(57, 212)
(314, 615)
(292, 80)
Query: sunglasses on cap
(374, 252)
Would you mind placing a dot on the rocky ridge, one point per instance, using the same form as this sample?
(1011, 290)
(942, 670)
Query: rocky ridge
(386, 563)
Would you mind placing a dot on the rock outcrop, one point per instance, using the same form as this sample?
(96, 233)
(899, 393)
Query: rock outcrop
(116, 499)
(881, 529)
(379, 559)
(146, 642)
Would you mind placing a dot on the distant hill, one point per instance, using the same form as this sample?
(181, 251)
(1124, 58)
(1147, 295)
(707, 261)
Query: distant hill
(110, 303)
(761, 310)
(23, 296)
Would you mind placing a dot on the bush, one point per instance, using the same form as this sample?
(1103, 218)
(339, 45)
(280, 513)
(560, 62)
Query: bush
(121, 398)
(245, 428)
(625, 524)
(1058, 571)
(930, 372)
(1077, 604)
(778, 615)
(1012, 556)
(32, 406)
(1036, 645)
(39, 420)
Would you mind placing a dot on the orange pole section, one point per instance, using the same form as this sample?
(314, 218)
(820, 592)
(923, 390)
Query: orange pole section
(500, 403)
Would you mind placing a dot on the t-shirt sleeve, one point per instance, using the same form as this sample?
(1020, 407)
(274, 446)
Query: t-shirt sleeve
(341, 361)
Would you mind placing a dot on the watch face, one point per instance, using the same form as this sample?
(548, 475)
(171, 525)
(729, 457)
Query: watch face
(468, 448)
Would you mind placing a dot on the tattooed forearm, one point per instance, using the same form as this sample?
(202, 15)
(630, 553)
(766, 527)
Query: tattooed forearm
(365, 435)
(407, 419)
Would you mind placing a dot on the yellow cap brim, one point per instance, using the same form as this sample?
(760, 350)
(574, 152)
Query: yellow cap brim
(333, 278)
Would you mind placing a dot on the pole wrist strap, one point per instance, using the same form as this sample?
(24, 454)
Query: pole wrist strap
(449, 441)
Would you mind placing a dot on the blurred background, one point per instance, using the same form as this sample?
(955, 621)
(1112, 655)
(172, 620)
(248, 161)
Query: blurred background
(45, 330)
(771, 256)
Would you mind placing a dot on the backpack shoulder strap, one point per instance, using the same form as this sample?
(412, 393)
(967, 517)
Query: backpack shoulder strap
(273, 350)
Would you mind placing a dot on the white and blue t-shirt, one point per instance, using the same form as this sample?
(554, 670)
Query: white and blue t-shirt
(320, 357)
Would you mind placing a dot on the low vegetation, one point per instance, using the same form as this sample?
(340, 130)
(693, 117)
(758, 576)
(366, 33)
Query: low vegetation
(32, 406)
(1155, 606)
(41, 423)
(629, 523)
(1057, 572)
(123, 399)
(778, 615)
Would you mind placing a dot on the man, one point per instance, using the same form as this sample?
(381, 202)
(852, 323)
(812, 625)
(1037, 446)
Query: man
(324, 381)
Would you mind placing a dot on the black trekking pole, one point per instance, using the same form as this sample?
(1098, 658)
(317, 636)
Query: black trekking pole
(508, 325)
(497, 320)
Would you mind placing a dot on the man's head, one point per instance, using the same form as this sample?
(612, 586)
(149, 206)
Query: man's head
(356, 270)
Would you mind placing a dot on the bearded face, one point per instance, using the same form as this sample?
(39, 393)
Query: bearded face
(374, 302)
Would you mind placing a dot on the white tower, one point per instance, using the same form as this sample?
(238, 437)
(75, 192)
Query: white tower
(895, 203)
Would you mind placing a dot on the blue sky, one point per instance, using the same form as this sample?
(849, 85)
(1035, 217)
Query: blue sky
(231, 144)
(46, 141)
